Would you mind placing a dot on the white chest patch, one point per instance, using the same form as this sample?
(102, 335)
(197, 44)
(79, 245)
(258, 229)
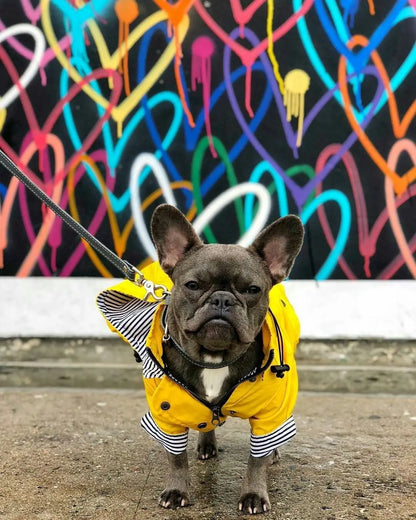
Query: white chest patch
(213, 378)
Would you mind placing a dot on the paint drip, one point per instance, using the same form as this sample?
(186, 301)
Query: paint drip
(297, 83)
(127, 11)
(177, 66)
(371, 8)
(202, 50)
(270, 49)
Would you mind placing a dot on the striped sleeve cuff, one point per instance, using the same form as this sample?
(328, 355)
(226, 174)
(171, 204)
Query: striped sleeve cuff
(174, 444)
(264, 445)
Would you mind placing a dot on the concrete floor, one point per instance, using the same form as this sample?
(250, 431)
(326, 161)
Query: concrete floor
(80, 454)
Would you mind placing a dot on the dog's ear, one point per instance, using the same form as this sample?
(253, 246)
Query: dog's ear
(172, 235)
(279, 244)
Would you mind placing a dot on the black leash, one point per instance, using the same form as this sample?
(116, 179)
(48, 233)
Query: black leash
(129, 271)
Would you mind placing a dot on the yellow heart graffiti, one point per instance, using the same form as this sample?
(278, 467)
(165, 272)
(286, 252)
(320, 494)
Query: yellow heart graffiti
(111, 61)
(120, 237)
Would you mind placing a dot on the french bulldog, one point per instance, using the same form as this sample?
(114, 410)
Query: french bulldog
(213, 341)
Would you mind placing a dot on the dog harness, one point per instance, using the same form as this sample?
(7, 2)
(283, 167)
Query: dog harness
(266, 396)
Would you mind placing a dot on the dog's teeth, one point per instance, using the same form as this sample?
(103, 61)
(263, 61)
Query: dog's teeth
(182, 502)
(240, 506)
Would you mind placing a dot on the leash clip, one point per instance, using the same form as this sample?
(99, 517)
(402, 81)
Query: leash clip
(152, 289)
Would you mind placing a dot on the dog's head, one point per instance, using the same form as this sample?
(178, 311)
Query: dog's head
(220, 294)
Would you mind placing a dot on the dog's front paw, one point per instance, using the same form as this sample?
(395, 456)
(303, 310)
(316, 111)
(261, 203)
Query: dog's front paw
(253, 503)
(174, 498)
(207, 445)
(207, 451)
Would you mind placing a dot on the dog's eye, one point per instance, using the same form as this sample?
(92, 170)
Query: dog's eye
(192, 285)
(253, 289)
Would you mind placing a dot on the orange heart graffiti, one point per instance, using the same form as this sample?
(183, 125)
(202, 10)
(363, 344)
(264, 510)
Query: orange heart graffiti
(400, 127)
(175, 13)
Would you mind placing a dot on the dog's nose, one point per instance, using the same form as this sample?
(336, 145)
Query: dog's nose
(222, 300)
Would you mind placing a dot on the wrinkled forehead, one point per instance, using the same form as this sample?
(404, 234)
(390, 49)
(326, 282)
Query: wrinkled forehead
(219, 260)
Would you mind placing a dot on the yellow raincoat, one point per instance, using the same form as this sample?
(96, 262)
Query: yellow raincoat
(262, 397)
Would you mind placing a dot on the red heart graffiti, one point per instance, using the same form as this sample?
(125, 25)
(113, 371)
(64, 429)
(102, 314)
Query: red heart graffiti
(368, 238)
(409, 147)
(41, 139)
(249, 56)
(243, 16)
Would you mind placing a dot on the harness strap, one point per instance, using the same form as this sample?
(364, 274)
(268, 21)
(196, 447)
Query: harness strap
(279, 370)
(129, 271)
(169, 340)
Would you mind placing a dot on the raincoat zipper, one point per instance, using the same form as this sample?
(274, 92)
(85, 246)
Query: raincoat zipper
(214, 408)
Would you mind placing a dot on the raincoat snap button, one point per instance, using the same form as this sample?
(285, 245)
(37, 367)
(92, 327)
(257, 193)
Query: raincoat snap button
(202, 425)
(165, 405)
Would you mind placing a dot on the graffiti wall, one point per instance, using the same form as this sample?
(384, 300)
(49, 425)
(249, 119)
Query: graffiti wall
(237, 112)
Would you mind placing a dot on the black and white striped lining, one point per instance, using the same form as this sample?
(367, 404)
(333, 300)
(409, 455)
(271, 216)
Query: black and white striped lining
(174, 444)
(263, 445)
(131, 317)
